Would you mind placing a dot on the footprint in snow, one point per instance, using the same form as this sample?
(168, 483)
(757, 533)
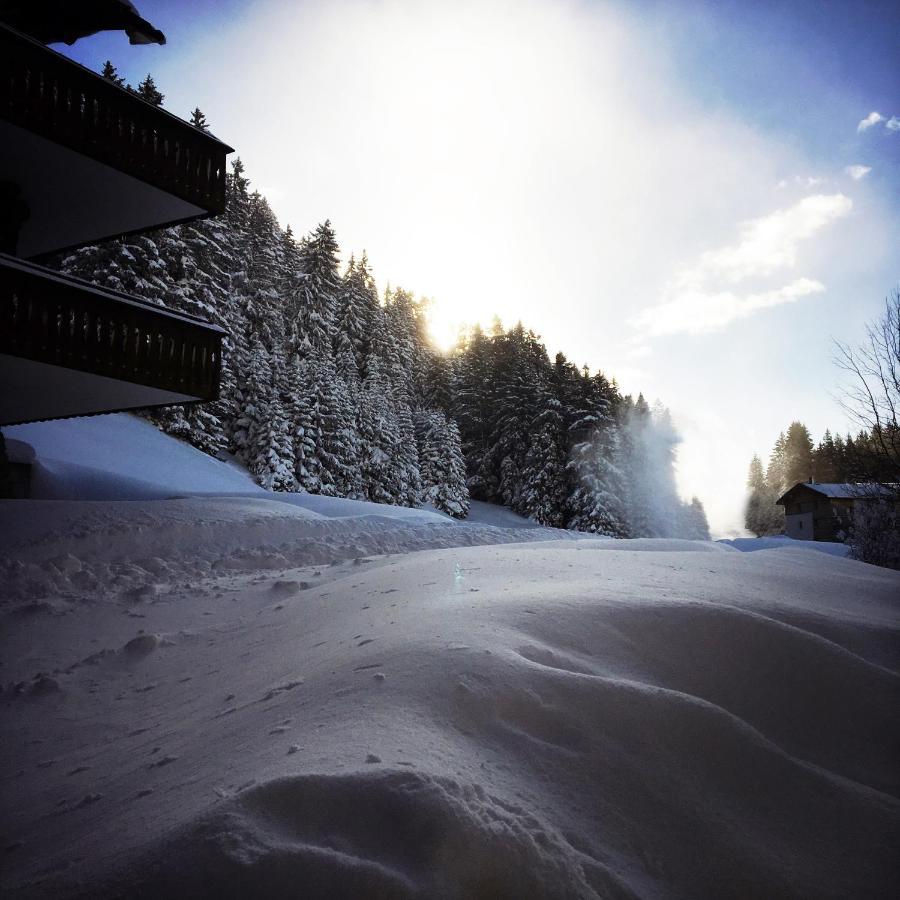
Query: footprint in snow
(142, 645)
(287, 686)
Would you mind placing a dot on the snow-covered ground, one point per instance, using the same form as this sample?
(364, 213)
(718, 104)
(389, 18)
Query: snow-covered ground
(751, 545)
(251, 695)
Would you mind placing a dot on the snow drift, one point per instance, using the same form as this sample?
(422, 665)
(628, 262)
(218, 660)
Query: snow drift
(240, 696)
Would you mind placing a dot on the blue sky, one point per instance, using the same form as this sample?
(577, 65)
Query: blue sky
(681, 194)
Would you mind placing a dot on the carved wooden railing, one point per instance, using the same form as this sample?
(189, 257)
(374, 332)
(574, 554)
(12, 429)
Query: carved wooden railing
(48, 94)
(67, 322)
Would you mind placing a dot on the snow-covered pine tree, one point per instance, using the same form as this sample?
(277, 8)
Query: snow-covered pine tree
(405, 361)
(311, 307)
(358, 309)
(379, 436)
(545, 486)
(270, 453)
(256, 400)
(443, 470)
(338, 449)
(407, 486)
(519, 382)
(471, 388)
(598, 498)
(300, 413)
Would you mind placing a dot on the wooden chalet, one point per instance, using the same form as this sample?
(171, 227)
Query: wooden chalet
(824, 512)
(83, 160)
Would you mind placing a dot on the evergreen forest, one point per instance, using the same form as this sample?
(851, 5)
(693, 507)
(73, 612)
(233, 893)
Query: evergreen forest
(331, 388)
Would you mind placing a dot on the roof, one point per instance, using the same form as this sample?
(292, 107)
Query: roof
(845, 491)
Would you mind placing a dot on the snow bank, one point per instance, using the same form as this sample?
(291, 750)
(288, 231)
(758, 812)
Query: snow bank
(781, 542)
(554, 719)
(121, 457)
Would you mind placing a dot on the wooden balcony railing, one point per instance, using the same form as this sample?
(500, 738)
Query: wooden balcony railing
(52, 96)
(51, 318)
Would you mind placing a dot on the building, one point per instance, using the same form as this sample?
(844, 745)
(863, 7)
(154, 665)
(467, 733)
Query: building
(84, 160)
(824, 512)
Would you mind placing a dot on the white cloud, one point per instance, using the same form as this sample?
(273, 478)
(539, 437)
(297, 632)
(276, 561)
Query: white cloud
(768, 243)
(804, 181)
(893, 124)
(701, 312)
(873, 118)
(857, 172)
(700, 299)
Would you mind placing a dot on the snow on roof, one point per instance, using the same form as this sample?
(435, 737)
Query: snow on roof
(842, 491)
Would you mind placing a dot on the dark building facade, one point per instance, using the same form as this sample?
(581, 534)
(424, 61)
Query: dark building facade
(83, 160)
(824, 512)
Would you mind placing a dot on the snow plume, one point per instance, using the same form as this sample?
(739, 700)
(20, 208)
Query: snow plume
(652, 505)
(625, 471)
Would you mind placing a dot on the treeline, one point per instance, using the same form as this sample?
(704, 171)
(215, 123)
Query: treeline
(328, 388)
(563, 446)
(795, 457)
(323, 387)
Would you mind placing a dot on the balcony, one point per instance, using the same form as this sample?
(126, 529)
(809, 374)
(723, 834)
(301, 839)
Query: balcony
(92, 160)
(69, 348)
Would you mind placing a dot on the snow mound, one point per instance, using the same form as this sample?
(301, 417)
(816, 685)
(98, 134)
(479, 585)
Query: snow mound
(492, 514)
(121, 457)
(781, 542)
(545, 719)
(373, 834)
(64, 547)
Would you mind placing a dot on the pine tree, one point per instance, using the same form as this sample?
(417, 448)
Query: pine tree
(379, 437)
(311, 307)
(825, 461)
(407, 486)
(776, 474)
(110, 73)
(198, 120)
(337, 471)
(696, 524)
(299, 412)
(798, 455)
(147, 90)
(358, 310)
(442, 466)
(761, 515)
(544, 475)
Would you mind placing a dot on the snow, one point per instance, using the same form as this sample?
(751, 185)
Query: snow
(780, 542)
(121, 456)
(845, 491)
(242, 696)
(493, 514)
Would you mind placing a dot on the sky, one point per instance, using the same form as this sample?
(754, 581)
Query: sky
(695, 198)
